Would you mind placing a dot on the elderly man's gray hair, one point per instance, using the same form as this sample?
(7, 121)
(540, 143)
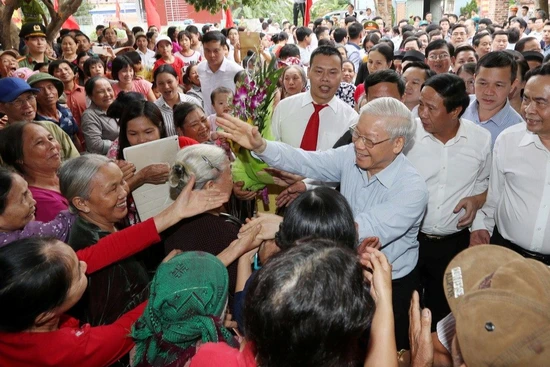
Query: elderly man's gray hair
(399, 120)
(76, 176)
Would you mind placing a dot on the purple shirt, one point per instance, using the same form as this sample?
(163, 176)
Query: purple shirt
(59, 228)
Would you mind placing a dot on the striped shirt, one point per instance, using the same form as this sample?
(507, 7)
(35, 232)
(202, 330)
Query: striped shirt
(168, 112)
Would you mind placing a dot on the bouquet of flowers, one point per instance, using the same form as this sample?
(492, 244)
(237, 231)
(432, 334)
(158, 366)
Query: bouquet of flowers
(253, 103)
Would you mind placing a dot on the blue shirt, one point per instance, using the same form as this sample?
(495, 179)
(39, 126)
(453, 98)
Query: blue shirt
(502, 120)
(390, 205)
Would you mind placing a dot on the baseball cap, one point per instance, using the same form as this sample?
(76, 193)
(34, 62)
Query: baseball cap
(423, 22)
(10, 52)
(11, 88)
(32, 30)
(500, 301)
(163, 38)
(413, 55)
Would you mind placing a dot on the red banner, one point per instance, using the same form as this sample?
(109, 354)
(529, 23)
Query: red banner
(71, 22)
(307, 17)
(153, 17)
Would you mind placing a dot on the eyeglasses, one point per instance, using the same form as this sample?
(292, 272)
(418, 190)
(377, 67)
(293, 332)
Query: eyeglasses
(438, 57)
(366, 141)
(19, 103)
(205, 158)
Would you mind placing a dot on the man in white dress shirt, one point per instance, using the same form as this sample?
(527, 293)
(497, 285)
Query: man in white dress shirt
(216, 71)
(292, 114)
(517, 211)
(454, 157)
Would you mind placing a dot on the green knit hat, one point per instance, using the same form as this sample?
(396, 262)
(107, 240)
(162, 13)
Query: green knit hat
(187, 298)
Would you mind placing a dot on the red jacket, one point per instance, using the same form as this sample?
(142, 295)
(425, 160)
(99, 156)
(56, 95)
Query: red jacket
(82, 346)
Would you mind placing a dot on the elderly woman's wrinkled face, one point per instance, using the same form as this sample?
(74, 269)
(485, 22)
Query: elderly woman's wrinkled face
(107, 201)
(20, 206)
(103, 94)
(292, 81)
(195, 126)
(48, 94)
(68, 46)
(41, 152)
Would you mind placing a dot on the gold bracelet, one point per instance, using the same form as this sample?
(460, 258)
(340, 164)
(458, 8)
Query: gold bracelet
(400, 353)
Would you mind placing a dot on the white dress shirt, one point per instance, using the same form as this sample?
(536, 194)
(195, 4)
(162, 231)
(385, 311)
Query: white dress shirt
(292, 114)
(147, 58)
(453, 171)
(518, 201)
(168, 112)
(223, 77)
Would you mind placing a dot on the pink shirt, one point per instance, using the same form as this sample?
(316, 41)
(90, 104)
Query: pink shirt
(49, 203)
(221, 354)
(139, 85)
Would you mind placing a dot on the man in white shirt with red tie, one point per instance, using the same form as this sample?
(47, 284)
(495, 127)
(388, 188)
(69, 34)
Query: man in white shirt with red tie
(517, 211)
(315, 119)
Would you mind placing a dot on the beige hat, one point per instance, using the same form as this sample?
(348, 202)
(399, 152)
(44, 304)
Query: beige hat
(10, 52)
(501, 303)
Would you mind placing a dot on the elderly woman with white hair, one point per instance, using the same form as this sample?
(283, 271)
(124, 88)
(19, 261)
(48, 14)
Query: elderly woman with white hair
(213, 230)
(96, 191)
(387, 195)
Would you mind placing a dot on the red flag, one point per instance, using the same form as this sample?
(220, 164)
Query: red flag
(308, 10)
(117, 10)
(153, 17)
(228, 18)
(71, 22)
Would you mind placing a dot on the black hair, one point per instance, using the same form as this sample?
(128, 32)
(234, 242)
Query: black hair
(318, 32)
(407, 28)
(91, 62)
(322, 315)
(542, 70)
(181, 110)
(54, 65)
(438, 45)
(387, 42)
(133, 110)
(485, 21)
(513, 35)
(444, 20)
(320, 213)
(6, 181)
(171, 33)
(302, 33)
(379, 17)
(339, 34)
(385, 50)
(326, 51)
(459, 25)
(120, 63)
(523, 68)
(149, 36)
(410, 39)
(22, 297)
(521, 21)
(372, 37)
(11, 144)
(428, 73)
(478, 36)
(452, 89)
(432, 27)
(193, 30)
(134, 57)
(326, 42)
(385, 76)
(220, 90)
(469, 67)
(39, 65)
(354, 30)
(165, 68)
(99, 26)
(213, 36)
(289, 50)
(137, 29)
(205, 28)
(463, 48)
(116, 109)
(520, 45)
(500, 33)
(498, 59)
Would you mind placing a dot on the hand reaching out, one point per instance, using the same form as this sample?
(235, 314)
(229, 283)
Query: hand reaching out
(420, 336)
(380, 278)
(269, 224)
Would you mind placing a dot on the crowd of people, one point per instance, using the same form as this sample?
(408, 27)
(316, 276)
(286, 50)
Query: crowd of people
(408, 223)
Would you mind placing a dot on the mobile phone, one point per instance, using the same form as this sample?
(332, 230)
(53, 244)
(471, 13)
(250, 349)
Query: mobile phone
(115, 24)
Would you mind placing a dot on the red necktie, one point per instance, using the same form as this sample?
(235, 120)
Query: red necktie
(309, 140)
